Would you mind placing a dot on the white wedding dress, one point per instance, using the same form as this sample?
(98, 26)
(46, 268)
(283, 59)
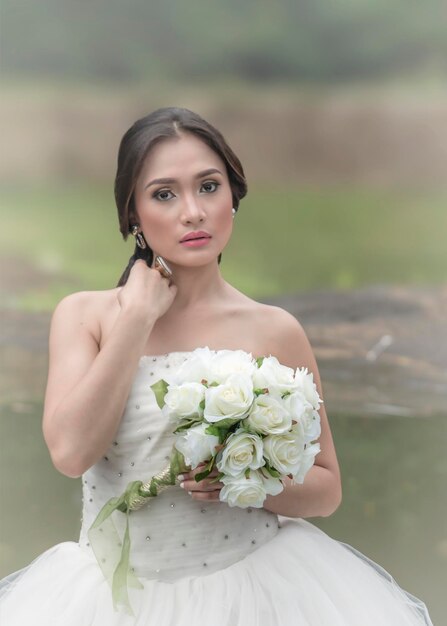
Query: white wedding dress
(199, 564)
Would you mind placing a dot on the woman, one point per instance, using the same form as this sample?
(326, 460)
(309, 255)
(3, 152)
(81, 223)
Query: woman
(199, 561)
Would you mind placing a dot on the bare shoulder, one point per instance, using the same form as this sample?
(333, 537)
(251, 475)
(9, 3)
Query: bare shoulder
(285, 334)
(279, 316)
(87, 301)
(279, 333)
(87, 308)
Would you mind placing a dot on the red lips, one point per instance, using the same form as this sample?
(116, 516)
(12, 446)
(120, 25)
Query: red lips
(195, 235)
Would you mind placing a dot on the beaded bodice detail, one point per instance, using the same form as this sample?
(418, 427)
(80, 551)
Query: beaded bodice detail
(175, 535)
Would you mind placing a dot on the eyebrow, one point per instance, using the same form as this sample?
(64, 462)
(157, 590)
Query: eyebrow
(167, 181)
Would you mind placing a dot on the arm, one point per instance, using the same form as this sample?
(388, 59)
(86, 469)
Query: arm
(321, 493)
(87, 388)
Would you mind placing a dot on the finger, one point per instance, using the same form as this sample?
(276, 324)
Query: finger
(200, 468)
(192, 473)
(196, 470)
(202, 485)
(214, 471)
(208, 496)
(192, 483)
(162, 274)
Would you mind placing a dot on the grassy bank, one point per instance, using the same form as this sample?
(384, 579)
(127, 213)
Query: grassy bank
(285, 239)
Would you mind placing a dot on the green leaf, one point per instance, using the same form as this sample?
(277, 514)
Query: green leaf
(202, 475)
(223, 435)
(271, 470)
(227, 422)
(219, 476)
(247, 473)
(211, 463)
(248, 429)
(160, 389)
(187, 422)
(212, 430)
(259, 361)
(217, 432)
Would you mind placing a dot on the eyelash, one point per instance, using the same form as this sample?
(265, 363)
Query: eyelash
(211, 182)
(207, 182)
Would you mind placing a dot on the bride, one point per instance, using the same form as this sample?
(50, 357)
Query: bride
(177, 188)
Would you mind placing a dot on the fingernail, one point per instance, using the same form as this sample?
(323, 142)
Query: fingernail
(182, 485)
(189, 493)
(181, 477)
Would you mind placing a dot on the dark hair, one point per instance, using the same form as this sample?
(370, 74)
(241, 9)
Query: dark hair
(135, 145)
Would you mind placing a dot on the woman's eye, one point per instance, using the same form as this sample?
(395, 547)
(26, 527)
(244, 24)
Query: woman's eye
(163, 195)
(210, 186)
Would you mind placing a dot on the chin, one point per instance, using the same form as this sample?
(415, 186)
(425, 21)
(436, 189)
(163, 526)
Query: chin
(194, 260)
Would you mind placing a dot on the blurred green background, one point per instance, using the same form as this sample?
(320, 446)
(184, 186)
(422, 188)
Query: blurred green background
(338, 112)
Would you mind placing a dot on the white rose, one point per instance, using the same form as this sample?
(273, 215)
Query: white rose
(232, 399)
(272, 486)
(307, 460)
(195, 368)
(296, 404)
(301, 410)
(312, 426)
(305, 383)
(242, 450)
(183, 400)
(196, 445)
(276, 377)
(284, 452)
(269, 416)
(227, 362)
(242, 491)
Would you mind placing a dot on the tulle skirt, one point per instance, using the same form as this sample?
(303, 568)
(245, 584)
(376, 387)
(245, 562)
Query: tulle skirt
(301, 577)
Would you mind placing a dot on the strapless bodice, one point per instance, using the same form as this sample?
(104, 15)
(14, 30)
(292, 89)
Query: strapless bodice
(175, 535)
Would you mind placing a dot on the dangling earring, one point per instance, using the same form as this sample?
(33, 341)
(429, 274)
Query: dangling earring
(141, 243)
(233, 210)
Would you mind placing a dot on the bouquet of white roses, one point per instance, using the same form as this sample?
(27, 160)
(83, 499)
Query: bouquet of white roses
(254, 419)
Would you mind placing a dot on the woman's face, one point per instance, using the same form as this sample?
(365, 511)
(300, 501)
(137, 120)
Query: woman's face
(183, 188)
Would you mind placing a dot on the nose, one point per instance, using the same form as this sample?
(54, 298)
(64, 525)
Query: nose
(192, 211)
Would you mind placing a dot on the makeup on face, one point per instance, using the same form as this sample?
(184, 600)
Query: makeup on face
(184, 199)
(195, 239)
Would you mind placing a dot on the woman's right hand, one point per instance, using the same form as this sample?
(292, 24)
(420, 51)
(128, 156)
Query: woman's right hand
(146, 292)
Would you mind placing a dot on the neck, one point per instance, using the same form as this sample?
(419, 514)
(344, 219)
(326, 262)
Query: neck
(196, 286)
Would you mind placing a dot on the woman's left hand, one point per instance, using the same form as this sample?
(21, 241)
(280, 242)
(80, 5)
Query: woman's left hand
(204, 489)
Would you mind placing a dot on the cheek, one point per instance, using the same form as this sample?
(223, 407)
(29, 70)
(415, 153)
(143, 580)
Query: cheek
(225, 215)
(224, 225)
(156, 229)
(225, 219)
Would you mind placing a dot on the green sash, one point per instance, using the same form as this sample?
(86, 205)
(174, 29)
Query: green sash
(112, 553)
